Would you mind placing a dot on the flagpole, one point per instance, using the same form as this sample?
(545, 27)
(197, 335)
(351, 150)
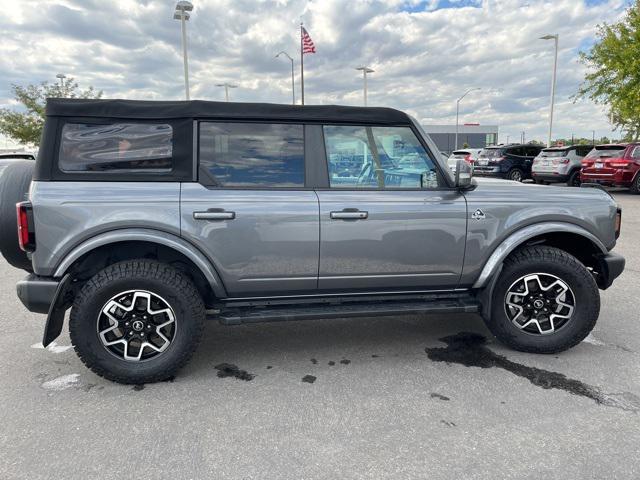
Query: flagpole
(301, 65)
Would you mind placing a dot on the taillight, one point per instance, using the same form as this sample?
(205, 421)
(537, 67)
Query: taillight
(562, 161)
(618, 223)
(468, 159)
(618, 163)
(26, 234)
(586, 163)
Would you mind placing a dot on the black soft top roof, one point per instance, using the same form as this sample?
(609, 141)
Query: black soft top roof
(150, 110)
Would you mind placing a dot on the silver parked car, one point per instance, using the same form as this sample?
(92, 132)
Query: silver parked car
(146, 218)
(560, 164)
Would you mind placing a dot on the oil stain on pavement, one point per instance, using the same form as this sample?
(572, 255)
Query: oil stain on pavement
(229, 370)
(470, 350)
(308, 379)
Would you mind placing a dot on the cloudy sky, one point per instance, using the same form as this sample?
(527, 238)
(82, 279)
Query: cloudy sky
(425, 53)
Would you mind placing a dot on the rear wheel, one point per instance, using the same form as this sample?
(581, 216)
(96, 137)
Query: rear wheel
(545, 301)
(137, 321)
(635, 185)
(574, 179)
(515, 174)
(15, 178)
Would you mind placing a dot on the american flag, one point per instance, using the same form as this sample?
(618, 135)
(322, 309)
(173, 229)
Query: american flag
(307, 43)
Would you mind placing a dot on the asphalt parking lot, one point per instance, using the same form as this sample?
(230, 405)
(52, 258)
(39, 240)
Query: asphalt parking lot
(411, 397)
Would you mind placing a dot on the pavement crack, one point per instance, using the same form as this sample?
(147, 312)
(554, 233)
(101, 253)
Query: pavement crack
(470, 350)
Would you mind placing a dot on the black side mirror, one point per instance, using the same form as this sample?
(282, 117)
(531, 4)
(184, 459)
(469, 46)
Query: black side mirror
(464, 173)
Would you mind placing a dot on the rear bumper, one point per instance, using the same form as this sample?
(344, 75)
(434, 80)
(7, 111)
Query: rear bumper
(37, 293)
(620, 178)
(611, 265)
(550, 177)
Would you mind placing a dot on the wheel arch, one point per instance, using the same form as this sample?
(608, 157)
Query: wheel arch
(568, 237)
(114, 246)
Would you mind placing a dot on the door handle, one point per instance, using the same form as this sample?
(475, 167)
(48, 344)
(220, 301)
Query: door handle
(349, 215)
(214, 215)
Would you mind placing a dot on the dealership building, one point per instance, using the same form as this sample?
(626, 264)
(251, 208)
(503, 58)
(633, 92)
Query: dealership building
(474, 135)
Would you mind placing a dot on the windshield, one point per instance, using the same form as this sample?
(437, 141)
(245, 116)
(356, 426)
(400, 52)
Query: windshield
(606, 151)
(554, 153)
(491, 153)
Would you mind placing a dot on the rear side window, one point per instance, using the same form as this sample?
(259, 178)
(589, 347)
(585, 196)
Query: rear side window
(251, 155)
(116, 147)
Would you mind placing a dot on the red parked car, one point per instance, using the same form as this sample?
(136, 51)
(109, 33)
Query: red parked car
(613, 165)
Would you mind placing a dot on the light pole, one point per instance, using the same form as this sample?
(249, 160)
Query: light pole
(61, 77)
(226, 86)
(553, 82)
(365, 70)
(458, 110)
(293, 85)
(182, 13)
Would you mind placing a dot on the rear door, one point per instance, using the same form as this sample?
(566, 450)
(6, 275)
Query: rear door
(390, 222)
(251, 212)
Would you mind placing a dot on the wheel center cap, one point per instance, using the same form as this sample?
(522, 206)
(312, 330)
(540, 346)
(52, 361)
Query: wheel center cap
(138, 325)
(537, 304)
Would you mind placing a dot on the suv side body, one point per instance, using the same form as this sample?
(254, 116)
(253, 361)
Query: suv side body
(559, 164)
(276, 212)
(507, 161)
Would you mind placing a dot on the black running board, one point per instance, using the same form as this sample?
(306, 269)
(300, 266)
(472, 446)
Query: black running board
(239, 315)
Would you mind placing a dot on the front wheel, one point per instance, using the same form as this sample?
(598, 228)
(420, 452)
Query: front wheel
(545, 301)
(137, 321)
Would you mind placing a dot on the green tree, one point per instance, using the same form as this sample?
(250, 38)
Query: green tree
(25, 125)
(614, 77)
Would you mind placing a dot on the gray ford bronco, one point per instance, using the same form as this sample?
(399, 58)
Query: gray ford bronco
(146, 218)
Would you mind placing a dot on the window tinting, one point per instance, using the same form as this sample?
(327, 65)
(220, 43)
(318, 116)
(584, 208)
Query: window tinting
(251, 155)
(145, 147)
(378, 157)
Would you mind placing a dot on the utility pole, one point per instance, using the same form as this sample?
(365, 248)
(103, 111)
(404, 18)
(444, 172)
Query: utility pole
(226, 86)
(458, 111)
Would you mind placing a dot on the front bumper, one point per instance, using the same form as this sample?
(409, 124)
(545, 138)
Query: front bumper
(37, 293)
(610, 266)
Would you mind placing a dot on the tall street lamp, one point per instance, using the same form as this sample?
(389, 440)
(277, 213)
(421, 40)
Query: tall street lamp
(365, 70)
(61, 77)
(182, 13)
(458, 110)
(553, 82)
(293, 85)
(226, 86)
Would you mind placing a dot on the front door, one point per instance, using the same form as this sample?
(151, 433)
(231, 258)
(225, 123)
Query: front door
(388, 221)
(250, 213)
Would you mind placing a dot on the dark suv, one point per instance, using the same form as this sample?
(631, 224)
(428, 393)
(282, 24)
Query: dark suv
(145, 218)
(507, 161)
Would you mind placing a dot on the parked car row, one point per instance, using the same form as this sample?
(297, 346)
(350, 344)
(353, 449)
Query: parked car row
(615, 165)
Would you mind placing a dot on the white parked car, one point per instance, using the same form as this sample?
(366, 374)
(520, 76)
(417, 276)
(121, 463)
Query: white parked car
(469, 155)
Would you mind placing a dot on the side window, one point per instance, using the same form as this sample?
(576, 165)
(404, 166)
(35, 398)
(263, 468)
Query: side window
(531, 151)
(378, 157)
(251, 155)
(583, 151)
(518, 151)
(635, 153)
(116, 147)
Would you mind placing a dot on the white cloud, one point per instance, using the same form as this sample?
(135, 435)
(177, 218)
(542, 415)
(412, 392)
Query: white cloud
(424, 56)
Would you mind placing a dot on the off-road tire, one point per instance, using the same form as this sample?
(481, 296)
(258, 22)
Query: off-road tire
(152, 276)
(15, 178)
(515, 174)
(545, 260)
(574, 179)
